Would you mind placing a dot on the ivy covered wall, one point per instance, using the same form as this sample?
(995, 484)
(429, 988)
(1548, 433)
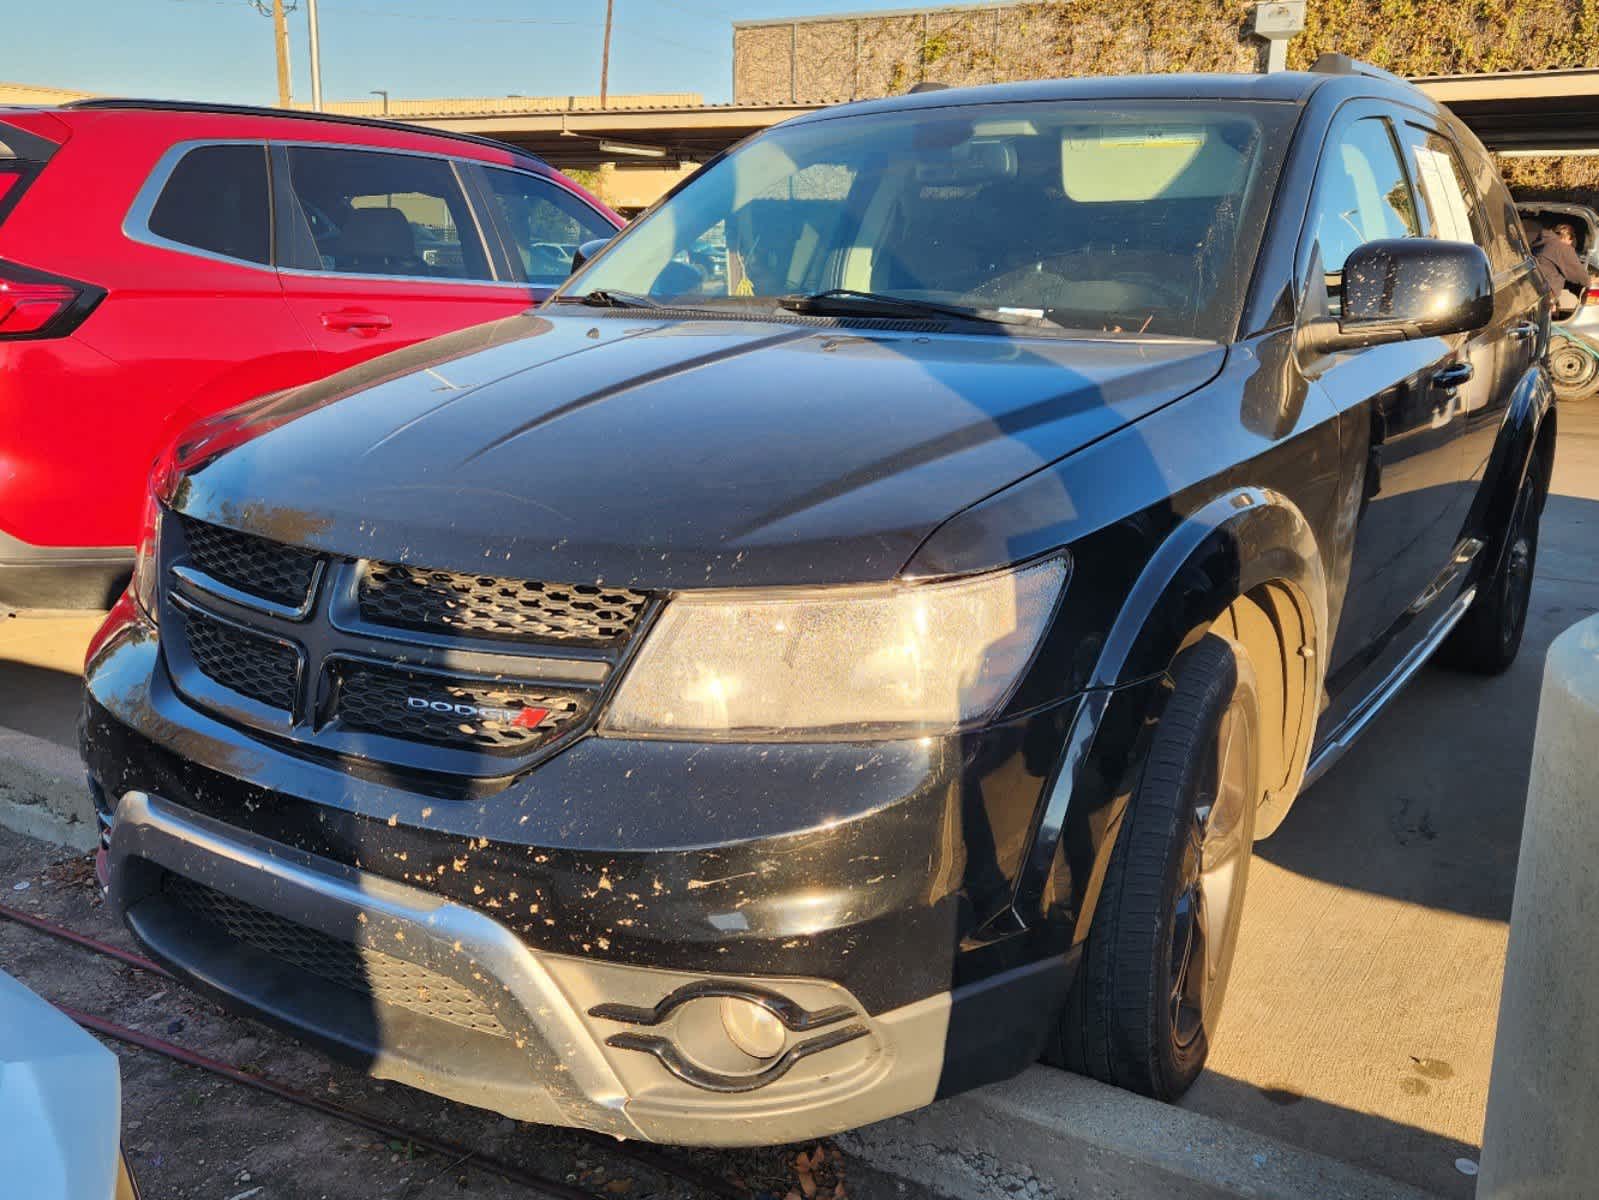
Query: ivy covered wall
(821, 60)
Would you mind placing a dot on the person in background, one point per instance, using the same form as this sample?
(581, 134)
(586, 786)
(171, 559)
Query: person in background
(1555, 250)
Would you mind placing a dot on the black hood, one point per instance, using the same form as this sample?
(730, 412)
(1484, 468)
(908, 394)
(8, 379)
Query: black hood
(672, 454)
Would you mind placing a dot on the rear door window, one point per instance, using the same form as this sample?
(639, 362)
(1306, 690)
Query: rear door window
(546, 224)
(217, 200)
(365, 212)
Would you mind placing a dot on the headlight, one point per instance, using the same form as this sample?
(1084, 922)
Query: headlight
(886, 660)
(147, 559)
(147, 562)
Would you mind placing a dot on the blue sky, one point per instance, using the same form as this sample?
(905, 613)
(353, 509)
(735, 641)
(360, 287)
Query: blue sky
(222, 49)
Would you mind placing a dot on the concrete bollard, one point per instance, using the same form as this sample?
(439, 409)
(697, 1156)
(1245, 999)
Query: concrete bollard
(1542, 1133)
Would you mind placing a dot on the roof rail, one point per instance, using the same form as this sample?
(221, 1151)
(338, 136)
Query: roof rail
(252, 110)
(1343, 64)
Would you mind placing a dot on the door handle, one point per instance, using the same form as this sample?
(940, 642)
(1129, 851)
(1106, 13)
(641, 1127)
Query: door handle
(1454, 375)
(356, 321)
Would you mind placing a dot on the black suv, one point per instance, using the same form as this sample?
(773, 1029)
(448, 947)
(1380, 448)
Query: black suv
(844, 644)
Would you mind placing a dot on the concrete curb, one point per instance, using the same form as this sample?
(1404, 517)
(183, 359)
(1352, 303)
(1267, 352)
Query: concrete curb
(42, 792)
(1049, 1133)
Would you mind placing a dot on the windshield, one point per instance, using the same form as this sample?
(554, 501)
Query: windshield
(1137, 217)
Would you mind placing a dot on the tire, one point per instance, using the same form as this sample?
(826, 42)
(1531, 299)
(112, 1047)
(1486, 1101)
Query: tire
(1143, 1008)
(1489, 635)
(1574, 370)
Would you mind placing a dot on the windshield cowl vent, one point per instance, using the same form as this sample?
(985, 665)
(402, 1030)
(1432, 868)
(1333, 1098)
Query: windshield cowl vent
(768, 317)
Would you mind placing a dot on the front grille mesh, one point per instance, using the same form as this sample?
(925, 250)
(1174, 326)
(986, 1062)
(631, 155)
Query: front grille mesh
(251, 564)
(380, 700)
(352, 686)
(387, 979)
(489, 607)
(253, 666)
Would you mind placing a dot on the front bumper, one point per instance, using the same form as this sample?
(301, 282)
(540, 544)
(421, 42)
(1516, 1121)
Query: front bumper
(456, 1004)
(870, 880)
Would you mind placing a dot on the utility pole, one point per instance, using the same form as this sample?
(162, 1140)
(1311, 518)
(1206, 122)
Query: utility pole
(605, 54)
(279, 10)
(280, 32)
(316, 57)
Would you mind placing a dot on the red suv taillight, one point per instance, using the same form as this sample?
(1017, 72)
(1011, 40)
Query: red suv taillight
(29, 307)
(36, 305)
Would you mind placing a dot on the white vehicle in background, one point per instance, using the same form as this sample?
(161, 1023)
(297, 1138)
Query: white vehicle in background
(1574, 358)
(60, 1105)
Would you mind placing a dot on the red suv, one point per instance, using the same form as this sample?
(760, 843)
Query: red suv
(160, 261)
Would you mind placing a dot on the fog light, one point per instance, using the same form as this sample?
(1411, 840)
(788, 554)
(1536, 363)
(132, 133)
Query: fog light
(752, 1029)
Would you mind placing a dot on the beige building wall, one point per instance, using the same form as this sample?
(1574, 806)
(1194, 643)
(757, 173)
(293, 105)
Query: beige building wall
(630, 190)
(25, 93)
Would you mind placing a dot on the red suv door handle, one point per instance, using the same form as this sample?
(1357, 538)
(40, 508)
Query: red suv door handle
(356, 321)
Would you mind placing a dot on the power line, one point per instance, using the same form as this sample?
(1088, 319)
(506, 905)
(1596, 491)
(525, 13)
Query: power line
(388, 14)
(383, 12)
(455, 20)
(720, 14)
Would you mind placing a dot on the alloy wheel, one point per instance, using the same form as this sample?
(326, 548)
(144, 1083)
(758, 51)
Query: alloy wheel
(1519, 563)
(1212, 883)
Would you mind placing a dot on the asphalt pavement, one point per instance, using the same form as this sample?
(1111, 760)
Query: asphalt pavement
(1362, 1006)
(41, 673)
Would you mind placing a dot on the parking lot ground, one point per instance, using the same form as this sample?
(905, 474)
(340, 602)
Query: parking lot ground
(41, 672)
(1363, 1001)
(1362, 1005)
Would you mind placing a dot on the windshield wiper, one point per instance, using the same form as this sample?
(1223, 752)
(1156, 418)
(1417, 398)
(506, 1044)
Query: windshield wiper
(850, 302)
(607, 298)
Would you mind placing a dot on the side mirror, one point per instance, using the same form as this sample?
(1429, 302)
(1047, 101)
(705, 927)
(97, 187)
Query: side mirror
(586, 251)
(1400, 289)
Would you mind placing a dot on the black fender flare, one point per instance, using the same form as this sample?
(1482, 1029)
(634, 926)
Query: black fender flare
(1532, 406)
(1239, 542)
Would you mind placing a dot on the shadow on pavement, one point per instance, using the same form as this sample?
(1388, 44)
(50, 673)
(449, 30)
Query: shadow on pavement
(41, 701)
(1398, 1151)
(1427, 806)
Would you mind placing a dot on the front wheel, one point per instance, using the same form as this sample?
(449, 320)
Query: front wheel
(1144, 1006)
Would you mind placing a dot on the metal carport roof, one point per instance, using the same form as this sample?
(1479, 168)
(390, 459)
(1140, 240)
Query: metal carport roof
(1518, 111)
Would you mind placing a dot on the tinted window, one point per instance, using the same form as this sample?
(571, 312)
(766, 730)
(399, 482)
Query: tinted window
(1362, 194)
(216, 200)
(1126, 216)
(1449, 209)
(1515, 232)
(546, 222)
(371, 213)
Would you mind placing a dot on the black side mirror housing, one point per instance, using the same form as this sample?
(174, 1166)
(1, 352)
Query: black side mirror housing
(586, 251)
(1400, 289)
